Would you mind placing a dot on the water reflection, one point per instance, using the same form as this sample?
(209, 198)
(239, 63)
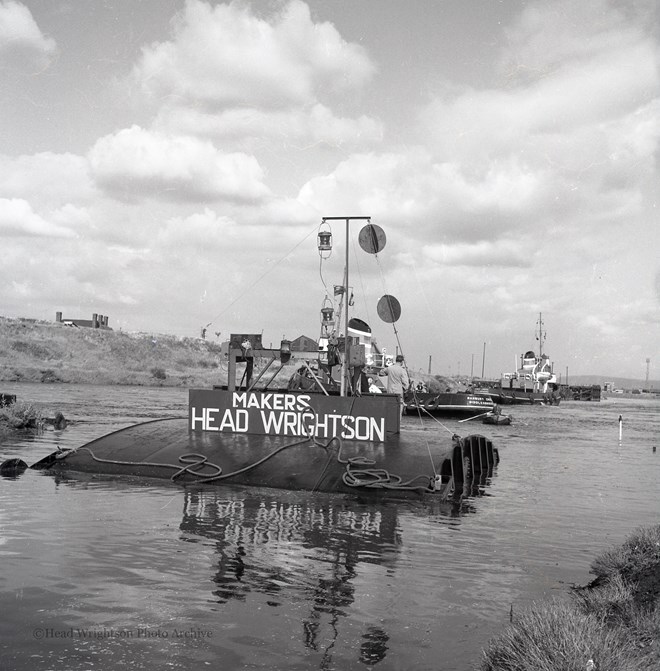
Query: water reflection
(297, 547)
(374, 646)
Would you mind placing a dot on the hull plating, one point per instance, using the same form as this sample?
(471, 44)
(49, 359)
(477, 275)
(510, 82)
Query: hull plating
(166, 449)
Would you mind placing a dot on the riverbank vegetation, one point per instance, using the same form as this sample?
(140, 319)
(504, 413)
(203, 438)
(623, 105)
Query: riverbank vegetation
(50, 352)
(19, 416)
(40, 351)
(612, 624)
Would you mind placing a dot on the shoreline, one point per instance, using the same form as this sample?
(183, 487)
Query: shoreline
(611, 624)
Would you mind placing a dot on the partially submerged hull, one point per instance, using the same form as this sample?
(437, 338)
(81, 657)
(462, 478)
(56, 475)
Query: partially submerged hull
(167, 449)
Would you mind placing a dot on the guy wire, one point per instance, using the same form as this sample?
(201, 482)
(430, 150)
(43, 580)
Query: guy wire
(261, 277)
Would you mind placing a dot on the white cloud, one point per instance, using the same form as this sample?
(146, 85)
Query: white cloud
(225, 56)
(135, 163)
(506, 253)
(537, 192)
(22, 43)
(49, 178)
(299, 127)
(231, 75)
(443, 201)
(18, 219)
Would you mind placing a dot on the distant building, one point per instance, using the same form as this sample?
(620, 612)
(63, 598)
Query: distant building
(304, 344)
(96, 322)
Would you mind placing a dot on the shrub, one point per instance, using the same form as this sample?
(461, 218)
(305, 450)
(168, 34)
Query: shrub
(31, 349)
(21, 416)
(49, 375)
(158, 373)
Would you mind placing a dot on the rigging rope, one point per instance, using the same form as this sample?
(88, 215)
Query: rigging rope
(358, 472)
(261, 277)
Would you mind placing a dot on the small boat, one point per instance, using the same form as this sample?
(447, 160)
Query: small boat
(313, 433)
(493, 418)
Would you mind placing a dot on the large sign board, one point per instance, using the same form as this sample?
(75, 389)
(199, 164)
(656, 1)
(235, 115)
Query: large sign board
(295, 414)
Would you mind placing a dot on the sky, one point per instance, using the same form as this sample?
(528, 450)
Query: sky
(168, 163)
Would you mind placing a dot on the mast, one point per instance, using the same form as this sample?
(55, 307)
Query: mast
(541, 335)
(344, 360)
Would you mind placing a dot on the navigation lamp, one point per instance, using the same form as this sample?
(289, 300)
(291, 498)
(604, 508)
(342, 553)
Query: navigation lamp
(327, 315)
(285, 351)
(324, 241)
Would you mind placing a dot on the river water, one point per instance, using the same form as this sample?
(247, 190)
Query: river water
(97, 572)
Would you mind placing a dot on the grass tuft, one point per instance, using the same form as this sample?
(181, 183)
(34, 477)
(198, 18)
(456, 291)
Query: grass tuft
(613, 624)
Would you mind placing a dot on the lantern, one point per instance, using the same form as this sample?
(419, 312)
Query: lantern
(285, 351)
(324, 241)
(327, 315)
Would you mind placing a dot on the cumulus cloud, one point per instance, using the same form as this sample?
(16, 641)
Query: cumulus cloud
(22, 44)
(53, 179)
(228, 73)
(579, 113)
(506, 253)
(568, 146)
(135, 163)
(446, 201)
(225, 56)
(312, 125)
(17, 218)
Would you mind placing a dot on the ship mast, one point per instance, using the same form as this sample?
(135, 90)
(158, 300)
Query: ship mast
(344, 360)
(541, 335)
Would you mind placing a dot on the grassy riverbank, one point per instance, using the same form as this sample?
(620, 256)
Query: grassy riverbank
(613, 624)
(39, 351)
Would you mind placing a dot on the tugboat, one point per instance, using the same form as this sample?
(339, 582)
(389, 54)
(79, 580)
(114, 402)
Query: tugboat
(315, 433)
(534, 383)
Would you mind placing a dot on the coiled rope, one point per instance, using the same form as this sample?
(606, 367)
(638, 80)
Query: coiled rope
(359, 471)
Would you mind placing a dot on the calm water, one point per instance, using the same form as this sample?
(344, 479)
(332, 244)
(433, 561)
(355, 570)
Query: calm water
(97, 572)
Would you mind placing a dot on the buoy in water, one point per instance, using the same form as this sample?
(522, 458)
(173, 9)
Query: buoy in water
(12, 468)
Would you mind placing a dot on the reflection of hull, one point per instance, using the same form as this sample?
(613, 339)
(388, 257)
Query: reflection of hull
(166, 448)
(449, 403)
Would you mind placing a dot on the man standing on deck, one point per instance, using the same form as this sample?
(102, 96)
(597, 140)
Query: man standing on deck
(397, 379)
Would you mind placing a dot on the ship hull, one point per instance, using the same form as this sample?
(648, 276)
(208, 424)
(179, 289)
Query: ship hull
(449, 403)
(167, 449)
(523, 397)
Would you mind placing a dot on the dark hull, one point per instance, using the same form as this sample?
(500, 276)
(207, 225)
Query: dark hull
(523, 397)
(449, 403)
(166, 449)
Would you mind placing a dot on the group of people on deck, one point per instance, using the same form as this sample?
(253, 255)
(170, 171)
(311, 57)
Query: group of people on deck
(398, 380)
